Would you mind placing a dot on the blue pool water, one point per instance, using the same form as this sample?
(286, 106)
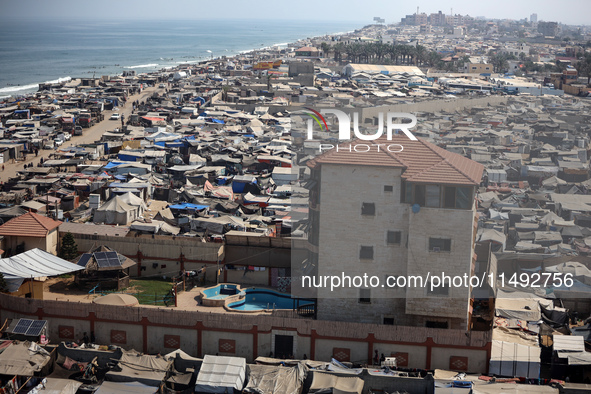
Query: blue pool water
(258, 299)
(220, 292)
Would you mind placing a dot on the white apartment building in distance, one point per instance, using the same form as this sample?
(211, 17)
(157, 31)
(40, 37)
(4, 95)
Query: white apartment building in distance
(391, 214)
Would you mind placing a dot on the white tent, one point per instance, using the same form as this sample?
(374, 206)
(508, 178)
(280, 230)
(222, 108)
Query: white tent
(116, 211)
(131, 199)
(220, 374)
(514, 360)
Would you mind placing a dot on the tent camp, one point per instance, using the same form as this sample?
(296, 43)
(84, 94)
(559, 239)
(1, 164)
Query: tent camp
(131, 199)
(327, 383)
(142, 368)
(221, 374)
(272, 379)
(116, 211)
(33, 264)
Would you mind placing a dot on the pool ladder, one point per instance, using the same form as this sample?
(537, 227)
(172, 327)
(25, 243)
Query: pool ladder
(269, 305)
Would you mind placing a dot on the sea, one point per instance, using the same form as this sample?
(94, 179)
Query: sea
(37, 51)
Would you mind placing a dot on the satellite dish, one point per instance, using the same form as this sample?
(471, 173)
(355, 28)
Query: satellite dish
(416, 208)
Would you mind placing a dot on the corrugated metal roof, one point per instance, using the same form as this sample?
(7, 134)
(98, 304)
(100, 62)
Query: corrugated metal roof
(29, 225)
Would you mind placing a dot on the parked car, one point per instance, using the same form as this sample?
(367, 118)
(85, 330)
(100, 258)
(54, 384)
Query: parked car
(67, 136)
(58, 142)
(162, 85)
(115, 116)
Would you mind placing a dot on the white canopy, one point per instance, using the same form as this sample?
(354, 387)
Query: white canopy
(220, 374)
(35, 263)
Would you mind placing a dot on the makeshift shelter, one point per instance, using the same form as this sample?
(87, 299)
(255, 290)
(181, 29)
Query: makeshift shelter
(514, 360)
(520, 305)
(116, 211)
(142, 368)
(221, 374)
(328, 383)
(33, 264)
(271, 379)
(60, 386)
(24, 359)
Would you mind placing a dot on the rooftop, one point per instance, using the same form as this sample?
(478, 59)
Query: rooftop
(421, 161)
(29, 225)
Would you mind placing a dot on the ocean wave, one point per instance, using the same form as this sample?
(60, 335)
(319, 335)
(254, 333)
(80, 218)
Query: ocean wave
(143, 65)
(31, 86)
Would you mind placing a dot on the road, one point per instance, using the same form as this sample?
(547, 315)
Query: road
(89, 135)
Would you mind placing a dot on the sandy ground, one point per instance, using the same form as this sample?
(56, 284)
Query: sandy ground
(89, 135)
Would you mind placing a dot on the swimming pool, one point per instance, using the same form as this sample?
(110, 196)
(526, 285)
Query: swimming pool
(259, 299)
(220, 291)
(216, 295)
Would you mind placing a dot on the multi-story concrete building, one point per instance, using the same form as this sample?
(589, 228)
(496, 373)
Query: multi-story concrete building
(394, 214)
(549, 29)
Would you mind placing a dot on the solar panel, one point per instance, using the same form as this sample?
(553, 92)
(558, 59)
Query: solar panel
(22, 326)
(84, 259)
(36, 328)
(101, 259)
(113, 259)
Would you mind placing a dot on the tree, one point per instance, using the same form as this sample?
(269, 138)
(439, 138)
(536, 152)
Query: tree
(69, 248)
(583, 66)
(325, 48)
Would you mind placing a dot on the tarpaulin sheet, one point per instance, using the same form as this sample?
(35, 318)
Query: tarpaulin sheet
(149, 370)
(271, 379)
(220, 374)
(514, 360)
(327, 383)
(35, 263)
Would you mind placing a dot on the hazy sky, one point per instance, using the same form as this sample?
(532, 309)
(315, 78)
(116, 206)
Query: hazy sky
(564, 11)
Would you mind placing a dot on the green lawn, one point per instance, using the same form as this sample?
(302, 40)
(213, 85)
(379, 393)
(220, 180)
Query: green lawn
(150, 291)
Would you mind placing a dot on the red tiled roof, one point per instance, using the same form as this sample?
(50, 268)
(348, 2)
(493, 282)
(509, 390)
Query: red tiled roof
(421, 161)
(29, 225)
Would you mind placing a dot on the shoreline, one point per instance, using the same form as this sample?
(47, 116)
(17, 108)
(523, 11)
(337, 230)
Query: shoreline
(29, 89)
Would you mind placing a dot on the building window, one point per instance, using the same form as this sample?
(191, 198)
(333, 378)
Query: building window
(393, 237)
(388, 188)
(388, 320)
(442, 290)
(420, 195)
(364, 296)
(432, 192)
(449, 197)
(439, 244)
(436, 324)
(463, 198)
(368, 208)
(405, 192)
(366, 253)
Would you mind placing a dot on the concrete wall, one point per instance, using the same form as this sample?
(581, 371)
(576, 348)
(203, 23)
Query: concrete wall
(147, 328)
(160, 255)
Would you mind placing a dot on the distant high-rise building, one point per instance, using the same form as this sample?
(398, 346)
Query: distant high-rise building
(533, 18)
(548, 28)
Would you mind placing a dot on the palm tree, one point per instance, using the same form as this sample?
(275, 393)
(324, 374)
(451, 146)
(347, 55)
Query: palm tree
(420, 54)
(325, 48)
(338, 50)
